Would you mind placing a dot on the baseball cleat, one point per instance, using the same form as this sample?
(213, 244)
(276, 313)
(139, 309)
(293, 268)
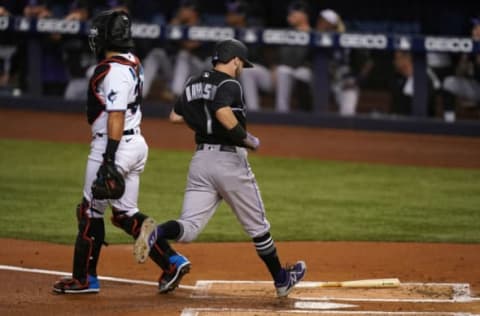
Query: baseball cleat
(169, 281)
(293, 275)
(73, 286)
(145, 240)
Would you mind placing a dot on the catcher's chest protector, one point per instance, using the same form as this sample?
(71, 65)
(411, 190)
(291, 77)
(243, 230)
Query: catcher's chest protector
(95, 103)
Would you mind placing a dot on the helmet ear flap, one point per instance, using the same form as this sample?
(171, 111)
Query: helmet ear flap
(98, 35)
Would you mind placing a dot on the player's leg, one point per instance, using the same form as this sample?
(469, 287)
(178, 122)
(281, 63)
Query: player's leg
(284, 86)
(126, 215)
(198, 208)
(453, 87)
(131, 160)
(254, 80)
(200, 203)
(156, 62)
(347, 100)
(241, 192)
(181, 71)
(90, 236)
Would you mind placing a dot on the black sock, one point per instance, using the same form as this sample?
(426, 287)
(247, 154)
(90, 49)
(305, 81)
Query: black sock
(168, 230)
(266, 250)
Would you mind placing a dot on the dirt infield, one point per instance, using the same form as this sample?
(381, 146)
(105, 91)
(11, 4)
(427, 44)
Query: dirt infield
(450, 271)
(25, 293)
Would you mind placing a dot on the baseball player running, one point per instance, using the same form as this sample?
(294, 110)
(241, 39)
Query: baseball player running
(212, 105)
(117, 157)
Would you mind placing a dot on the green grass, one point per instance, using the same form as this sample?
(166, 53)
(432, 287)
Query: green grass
(41, 183)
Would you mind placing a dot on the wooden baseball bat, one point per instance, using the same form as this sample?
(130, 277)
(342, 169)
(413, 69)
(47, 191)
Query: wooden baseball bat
(368, 283)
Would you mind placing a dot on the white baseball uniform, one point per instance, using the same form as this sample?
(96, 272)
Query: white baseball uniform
(116, 86)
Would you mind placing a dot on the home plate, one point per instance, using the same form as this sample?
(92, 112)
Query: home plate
(321, 305)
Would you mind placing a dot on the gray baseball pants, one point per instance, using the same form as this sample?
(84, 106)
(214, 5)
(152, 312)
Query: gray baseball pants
(216, 175)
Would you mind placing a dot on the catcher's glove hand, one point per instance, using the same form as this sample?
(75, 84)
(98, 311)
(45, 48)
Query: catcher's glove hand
(109, 183)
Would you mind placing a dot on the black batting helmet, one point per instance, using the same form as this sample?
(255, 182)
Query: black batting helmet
(110, 30)
(228, 49)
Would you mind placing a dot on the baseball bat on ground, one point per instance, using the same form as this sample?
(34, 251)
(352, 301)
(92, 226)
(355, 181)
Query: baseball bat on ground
(368, 283)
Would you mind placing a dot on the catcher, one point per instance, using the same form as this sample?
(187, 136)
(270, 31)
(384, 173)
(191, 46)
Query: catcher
(117, 157)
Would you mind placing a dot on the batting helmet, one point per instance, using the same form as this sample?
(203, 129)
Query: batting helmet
(110, 30)
(228, 49)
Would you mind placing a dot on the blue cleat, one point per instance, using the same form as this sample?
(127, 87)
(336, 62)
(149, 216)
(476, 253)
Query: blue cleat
(170, 280)
(293, 275)
(70, 285)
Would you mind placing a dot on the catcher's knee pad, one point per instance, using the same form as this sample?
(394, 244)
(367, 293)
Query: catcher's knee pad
(89, 241)
(130, 224)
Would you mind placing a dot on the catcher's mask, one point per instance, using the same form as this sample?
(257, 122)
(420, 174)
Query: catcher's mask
(110, 30)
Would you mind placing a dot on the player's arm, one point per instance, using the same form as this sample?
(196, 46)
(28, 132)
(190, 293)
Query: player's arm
(115, 124)
(225, 96)
(226, 117)
(175, 118)
(236, 132)
(110, 183)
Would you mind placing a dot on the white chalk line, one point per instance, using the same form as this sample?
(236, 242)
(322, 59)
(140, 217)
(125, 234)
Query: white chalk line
(202, 286)
(321, 305)
(102, 278)
(205, 284)
(197, 311)
(461, 292)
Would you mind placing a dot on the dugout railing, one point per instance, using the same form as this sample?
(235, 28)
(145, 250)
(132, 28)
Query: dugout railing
(418, 45)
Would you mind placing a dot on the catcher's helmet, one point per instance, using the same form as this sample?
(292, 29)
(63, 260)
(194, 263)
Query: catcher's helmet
(110, 30)
(228, 49)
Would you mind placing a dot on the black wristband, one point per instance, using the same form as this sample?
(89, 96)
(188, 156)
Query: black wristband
(237, 134)
(112, 146)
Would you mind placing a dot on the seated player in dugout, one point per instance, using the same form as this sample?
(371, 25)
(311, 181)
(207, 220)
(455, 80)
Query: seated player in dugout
(465, 84)
(212, 105)
(347, 69)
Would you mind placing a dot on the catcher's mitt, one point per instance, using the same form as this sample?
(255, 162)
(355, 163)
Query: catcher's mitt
(109, 183)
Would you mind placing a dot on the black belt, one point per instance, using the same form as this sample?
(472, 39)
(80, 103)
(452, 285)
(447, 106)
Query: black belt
(127, 132)
(227, 148)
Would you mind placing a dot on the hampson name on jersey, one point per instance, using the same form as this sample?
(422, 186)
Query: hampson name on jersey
(205, 91)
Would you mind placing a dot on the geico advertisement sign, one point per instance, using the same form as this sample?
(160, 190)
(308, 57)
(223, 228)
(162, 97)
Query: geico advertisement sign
(141, 30)
(363, 41)
(449, 44)
(58, 26)
(210, 33)
(286, 37)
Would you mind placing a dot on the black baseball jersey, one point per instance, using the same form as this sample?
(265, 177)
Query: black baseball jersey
(202, 97)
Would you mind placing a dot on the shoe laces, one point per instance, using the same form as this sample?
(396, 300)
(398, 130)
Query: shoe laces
(289, 267)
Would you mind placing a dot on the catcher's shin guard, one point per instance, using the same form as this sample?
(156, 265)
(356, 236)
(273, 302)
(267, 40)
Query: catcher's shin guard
(90, 237)
(131, 225)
